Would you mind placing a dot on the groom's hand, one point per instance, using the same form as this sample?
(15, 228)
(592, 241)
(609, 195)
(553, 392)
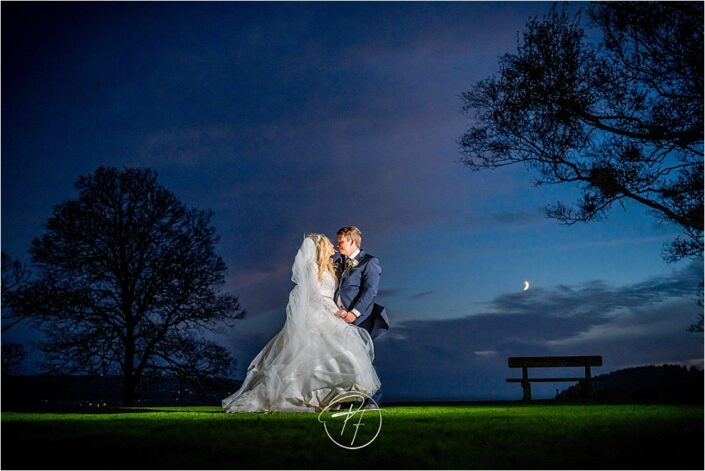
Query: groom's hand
(347, 316)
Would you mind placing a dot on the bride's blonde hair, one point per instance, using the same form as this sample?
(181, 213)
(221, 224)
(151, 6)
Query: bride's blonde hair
(324, 262)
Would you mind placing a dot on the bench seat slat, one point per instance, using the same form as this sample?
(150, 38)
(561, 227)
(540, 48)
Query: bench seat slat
(547, 362)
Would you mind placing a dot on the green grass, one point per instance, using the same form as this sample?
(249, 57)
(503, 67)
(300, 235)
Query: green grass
(511, 436)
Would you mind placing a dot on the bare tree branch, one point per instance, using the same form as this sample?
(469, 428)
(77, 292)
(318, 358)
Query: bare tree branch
(623, 119)
(128, 277)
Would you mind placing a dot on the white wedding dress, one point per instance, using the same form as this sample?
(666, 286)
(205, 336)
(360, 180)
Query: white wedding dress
(315, 357)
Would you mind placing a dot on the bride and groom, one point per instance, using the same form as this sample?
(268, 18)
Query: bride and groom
(325, 347)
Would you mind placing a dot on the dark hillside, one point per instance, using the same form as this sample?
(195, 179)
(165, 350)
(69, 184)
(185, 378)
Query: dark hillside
(670, 384)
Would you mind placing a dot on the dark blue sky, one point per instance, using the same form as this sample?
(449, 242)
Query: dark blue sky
(287, 118)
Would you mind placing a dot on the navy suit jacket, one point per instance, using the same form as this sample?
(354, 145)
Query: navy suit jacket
(358, 288)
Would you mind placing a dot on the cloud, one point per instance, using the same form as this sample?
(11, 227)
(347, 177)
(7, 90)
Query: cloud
(390, 292)
(309, 129)
(422, 294)
(465, 358)
(518, 218)
(347, 128)
(637, 324)
(188, 146)
(485, 353)
(631, 241)
(596, 298)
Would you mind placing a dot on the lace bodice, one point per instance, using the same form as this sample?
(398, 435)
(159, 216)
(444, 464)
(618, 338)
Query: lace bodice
(328, 285)
(327, 288)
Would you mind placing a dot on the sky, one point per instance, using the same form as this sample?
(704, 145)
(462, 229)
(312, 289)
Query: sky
(288, 118)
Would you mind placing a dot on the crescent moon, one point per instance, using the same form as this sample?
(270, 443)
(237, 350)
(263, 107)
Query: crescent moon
(526, 285)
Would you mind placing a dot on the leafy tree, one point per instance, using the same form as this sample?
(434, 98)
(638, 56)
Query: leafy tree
(621, 117)
(14, 275)
(127, 283)
(697, 327)
(12, 356)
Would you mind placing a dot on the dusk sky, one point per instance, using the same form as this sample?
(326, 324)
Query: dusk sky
(287, 118)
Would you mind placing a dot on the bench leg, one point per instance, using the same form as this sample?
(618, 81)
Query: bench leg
(526, 388)
(525, 384)
(588, 383)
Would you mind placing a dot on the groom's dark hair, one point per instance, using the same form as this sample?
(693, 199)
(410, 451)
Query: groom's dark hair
(351, 233)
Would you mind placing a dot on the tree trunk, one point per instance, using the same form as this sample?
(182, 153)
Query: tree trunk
(128, 382)
(128, 392)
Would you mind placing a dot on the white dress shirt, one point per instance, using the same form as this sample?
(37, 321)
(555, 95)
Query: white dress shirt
(340, 302)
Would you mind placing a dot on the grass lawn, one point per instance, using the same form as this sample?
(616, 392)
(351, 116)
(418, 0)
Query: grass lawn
(485, 436)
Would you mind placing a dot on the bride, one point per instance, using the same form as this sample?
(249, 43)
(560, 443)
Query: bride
(316, 355)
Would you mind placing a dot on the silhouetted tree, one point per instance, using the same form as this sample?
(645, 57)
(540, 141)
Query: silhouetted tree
(12, 356)
(127, 281)
(14, 275)
(622, 117)
(697, 327)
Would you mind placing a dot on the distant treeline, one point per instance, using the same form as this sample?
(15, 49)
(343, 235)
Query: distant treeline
(652, 384)
(105, 391)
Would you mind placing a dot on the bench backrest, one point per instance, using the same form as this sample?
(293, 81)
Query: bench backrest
(543, 362)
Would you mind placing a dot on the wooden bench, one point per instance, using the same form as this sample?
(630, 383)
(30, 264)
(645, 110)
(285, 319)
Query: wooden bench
(552, 362)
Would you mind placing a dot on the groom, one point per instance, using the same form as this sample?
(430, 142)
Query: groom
(358, 274)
